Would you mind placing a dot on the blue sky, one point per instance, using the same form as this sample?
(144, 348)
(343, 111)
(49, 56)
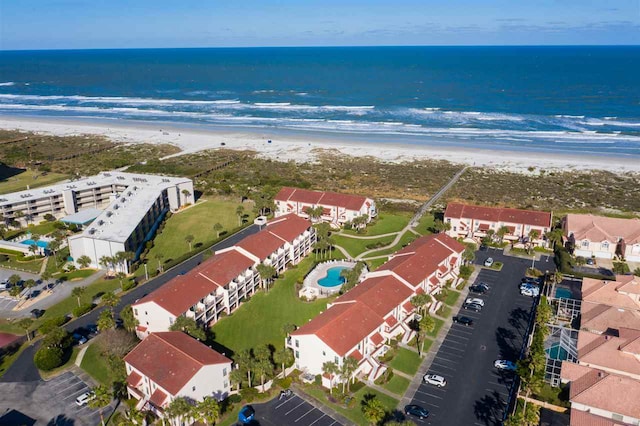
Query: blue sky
(78, 24)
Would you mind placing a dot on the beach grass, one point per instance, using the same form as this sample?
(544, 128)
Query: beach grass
(29, 178)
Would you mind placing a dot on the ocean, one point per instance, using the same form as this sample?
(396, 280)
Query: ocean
(572, 100)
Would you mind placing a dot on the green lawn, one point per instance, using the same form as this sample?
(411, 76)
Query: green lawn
(95, 365)
(384, 224)
(376, 263)
(356, 246)
(353, 414)
(197, 221)
(75, 275)
(437, 328)
(42, 228)
(426, 345)
(32, 266)
(452, 297)
(425, 223)
(406, 238)
(31, 178)
(397, 385)
(406, 361)
(260, 320)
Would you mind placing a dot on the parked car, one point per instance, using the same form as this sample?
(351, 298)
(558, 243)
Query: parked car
(477, 289)
(246, 415)
(80, 339)
(530, 280)
(590, 261)
(5, 285)
(37, 313)
(434, 379)
(416, 411)
(472, 300)
(484, 285)
(473, 307)
(84, 398)
(488, 262)
(528, 285)
(503, 364)
(463, 320)
(92, 330)
(531, 292)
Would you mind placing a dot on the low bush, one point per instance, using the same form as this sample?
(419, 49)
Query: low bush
(466, 271)
(283, 383)
(128, 285)
(249, 394)
(52, 323)
(235, 398)
(47, 359)
(79, 311)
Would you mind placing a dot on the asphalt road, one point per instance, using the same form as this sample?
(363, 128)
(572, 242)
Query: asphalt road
(24, 370)
(292, 411)
(476, 393)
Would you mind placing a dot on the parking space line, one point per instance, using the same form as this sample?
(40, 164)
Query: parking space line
(433, 396)
(312, 409)
(444, 366)
(282, 403)
(293, 409)
(466, 330)
(317, 420)
(79, 391)
(442, 348)
(334, 422)
(69, 387)
(440, 358)
(451, 341)
(445, 343)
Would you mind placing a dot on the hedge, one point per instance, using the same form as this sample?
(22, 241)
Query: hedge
(52, 323)
(79, 311)
(48, 358)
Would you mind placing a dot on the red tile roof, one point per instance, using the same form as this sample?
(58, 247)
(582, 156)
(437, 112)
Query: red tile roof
(349, 202)
(382, 294)
(134, 379)
(184, 291)
(584, 418)
(377, 339)
(408, 307)
(141, 328)
(391, 321)
(356, 355)
(600, 317)
(498, 214)
(158, 398)
(601, 228)
(172, 358)
(261, 244)
(421, 258)
(604, 351)
(287, 227)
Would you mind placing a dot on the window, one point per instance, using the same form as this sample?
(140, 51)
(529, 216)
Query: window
(585, 243)
(454, 228)
(297, 354)
(170, 321)
(224, 371)
(323, 353)
(135, 311)
(146, 313)
(193, 389)
(605, 245)
(336, 360)
(297, 343)
(226, 384)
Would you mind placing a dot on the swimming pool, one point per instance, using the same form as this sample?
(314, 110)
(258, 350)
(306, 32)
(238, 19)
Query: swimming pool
(564, 293)
(557, 352)
(40, 243)
(333, 278)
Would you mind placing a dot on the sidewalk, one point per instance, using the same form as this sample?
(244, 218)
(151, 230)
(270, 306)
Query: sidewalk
(435, 347)
(320, 405)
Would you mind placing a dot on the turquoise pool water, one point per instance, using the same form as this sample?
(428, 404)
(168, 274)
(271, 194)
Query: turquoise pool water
(41, 244)
(556, 352)
(563, 292)
(333, 278)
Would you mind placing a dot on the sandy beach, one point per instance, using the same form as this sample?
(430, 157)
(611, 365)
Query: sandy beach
(303, 148)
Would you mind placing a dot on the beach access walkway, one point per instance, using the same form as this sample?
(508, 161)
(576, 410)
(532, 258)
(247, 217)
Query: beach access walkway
(410, 226)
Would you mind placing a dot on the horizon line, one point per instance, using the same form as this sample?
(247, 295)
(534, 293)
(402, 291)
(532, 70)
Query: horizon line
(318, 47)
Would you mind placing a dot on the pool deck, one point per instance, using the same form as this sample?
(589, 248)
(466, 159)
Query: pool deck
(319, 272)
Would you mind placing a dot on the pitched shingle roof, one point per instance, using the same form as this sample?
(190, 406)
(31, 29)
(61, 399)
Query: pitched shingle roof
(172, 358)
(498, 214)
(599, 317)
(601, 228)
(334, 199)
(606, 292)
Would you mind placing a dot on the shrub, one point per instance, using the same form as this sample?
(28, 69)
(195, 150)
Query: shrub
(52, 323)
(79, 311)
(393, 343)
(283, 383)
(235, 398)
(620, 268)
(466, 271)
(128, 285)
(47, 359)
(356, 386)
(4, 257)
(249, 394)
(318, 380)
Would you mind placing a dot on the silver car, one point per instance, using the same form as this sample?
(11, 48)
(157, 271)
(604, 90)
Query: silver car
(434, 379)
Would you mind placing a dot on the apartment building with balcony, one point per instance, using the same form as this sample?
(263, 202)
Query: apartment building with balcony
(603, 237)
(359, 323)
(218, 286)
(168, 365)
(473, 222)
(337, 208)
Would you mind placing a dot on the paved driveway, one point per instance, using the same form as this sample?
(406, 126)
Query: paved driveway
(49, 403)
(476, 393)
(292, 411)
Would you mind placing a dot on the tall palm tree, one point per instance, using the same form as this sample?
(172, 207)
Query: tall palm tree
(122, 258)
(266, 272)
(159, 257)
(349, 366)
(189, 240)
(245, 361)
(330, 368)
(110, 299)
(283, 356)
(25, 324)
(236, 376)
(78, 292)
(186, 194)
(218, 228)
(207, 410)
(101, 398)
(178, 409)
(262, 368)
(240, 214)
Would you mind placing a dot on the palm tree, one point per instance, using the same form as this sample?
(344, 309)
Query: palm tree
(266, 273)
(17, 216)
(330, 368)
(469, 254)
(420, 301)
(534, 234)
(122, 258)
(262, 353)
(218, 228)
(189, 239)
(236, 376)
(502, 231)
(25, 324)
(207, 410)
(129, 321)
(186, 194)
(136, 417)
(245, 361)
(78, 292)
(240, 214)
(261, 368)
(46, 276)
(110, 299)
(349, 366)
(30, 284)
(159, 257)
(101, 398)
(425, 326)
(107, 262)
(178, 409)
(84, 261)
(372, 409)
(105, 320)
(283, 356)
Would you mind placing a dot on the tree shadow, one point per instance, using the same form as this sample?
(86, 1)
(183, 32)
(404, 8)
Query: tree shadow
(508, 349)
(489, 409)
(519, 319)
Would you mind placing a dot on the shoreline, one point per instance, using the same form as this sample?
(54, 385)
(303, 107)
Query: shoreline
(305, 147)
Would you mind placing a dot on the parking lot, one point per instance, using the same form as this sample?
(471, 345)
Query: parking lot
(292, 411)
(7, 302)
(477, 393)
(51, 402)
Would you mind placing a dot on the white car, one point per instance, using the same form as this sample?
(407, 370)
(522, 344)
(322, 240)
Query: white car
(474, 300)
(434, 379)
(528, 285)
(531, 292)
(260, 220)
(503, 364)
(84, 398)
(488, 262)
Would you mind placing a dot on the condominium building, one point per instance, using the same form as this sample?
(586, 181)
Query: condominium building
(359, 323)
(603, 237)
(604, 385)
(219, 285)
(336, 208)
(165, 366)
(474, 222)
(130, 208)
